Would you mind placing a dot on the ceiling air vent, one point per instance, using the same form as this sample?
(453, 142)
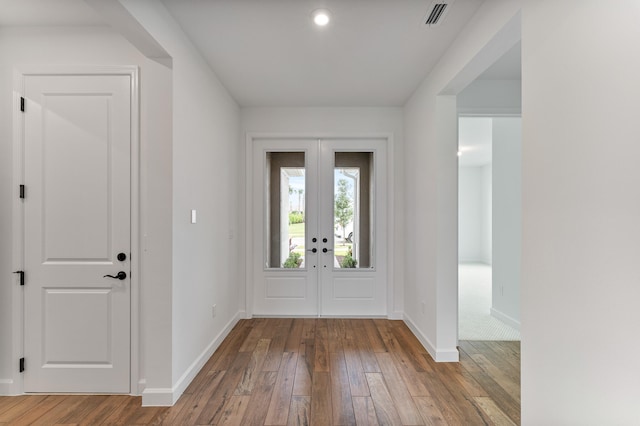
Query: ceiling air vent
(437, 12)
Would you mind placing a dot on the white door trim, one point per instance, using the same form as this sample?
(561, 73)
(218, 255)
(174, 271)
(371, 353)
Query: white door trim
(249, 240)
(17, 294)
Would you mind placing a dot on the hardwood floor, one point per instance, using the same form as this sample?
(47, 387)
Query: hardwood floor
(313, 372)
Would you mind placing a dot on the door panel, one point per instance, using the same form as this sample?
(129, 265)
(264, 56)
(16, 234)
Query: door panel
(342, 270)
(65, 339)
(357, 288)
(80, 233)
(77, 139)
(286, 281)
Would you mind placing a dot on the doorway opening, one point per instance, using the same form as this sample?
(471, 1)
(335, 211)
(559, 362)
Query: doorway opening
(489, 212)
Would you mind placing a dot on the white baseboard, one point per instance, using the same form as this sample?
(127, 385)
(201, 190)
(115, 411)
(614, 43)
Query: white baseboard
(505, 318)
(163, 397)
(396, 315)
(158, 397)
(6, 387)
(438, 354)
(142, 384)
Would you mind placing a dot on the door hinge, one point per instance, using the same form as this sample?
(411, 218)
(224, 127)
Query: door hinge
(21, 104)
(21, 273)
(21, 191)
(21, 365)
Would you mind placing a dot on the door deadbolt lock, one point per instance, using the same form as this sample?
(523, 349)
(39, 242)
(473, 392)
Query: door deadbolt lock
(122, 257)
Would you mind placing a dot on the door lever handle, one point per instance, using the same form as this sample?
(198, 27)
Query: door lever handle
(120, 276)
(313, 250)
(324, 250)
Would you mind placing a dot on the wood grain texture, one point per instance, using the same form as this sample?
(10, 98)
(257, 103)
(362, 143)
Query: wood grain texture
(497, 416)
(300, 411)
(322, 347)
(321, 412)
(295, 336)
(278, 412)
(383, 403)
(22, 405)
(259, 402)
(224, 390)
(191, 412)
(49, 403)
(365, 412)
(105, 410)
(313, 372)
(250, 374)
(357, 379)
(341, 404)
(430, 412)
(401, 397)
(375, 341)
(276, 349)
(233, 412)
(304, 368)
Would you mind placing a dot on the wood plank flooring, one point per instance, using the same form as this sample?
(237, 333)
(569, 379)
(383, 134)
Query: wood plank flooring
(313, 372)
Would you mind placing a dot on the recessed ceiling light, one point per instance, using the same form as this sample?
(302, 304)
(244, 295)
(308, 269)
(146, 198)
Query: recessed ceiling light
(321, 17)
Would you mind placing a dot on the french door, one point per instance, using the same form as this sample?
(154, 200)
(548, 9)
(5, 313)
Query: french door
(319, 227)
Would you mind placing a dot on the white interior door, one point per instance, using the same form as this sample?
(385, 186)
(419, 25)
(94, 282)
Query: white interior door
(319, 227)
(77, 138)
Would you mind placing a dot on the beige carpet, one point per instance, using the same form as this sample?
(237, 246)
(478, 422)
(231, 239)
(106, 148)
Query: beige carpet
(474, 298)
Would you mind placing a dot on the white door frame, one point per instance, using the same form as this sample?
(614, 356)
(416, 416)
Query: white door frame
(249, 234)
(17, 293)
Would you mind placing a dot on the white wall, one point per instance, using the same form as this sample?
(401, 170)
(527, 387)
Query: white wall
(491, 97)
(97, 46)
(507, 219)
(486, 247)
(470, 208)
(345, 121)
(431, 175)
(205, 164)
(581, 210)
(474, 214)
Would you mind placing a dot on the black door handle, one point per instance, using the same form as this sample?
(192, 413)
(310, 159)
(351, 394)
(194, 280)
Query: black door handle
(121, 276)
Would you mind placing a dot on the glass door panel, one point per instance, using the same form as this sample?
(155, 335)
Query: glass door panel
(285, 216)
(353, 212)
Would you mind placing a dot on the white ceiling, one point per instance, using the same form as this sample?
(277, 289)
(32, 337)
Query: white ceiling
(268, 53)
(47, 13)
